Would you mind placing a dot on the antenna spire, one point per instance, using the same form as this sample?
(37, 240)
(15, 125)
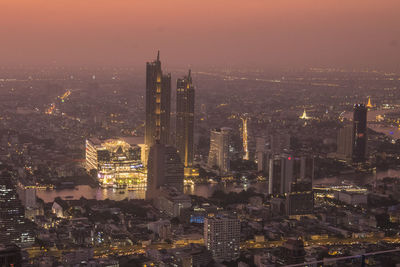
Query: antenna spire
(158, 55)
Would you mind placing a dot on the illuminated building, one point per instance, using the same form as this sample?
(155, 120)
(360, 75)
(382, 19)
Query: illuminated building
(304, 116)
(118, 162)
(359, 133)
(245, 139)
(13, 228)
(219, 149)
(164, 169)
(222, 237)
(185, 119)
(369, 105)
(158, 104)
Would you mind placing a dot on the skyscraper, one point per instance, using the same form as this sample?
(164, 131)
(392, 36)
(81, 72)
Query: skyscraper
(185, 119)
(222, 237)
(280, 174)
(219, 149)
(158, 104)
(359, 133)
(13, 228)
(345, 143)
(164, 169)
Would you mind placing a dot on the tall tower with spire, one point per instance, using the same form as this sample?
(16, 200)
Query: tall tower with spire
(158, 104)
(185, 119)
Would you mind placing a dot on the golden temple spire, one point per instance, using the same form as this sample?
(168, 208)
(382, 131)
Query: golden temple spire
(369, 105)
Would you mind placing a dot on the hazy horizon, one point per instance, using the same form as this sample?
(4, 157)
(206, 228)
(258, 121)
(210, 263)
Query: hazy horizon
(260, 33)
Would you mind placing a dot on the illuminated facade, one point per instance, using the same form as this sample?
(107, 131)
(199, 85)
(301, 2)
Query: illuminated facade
(222, 237)
(13, 228)
(118, 162)
(158, 104)
(245, 140)
(304, 116)
(185, 119)
(219, 149)
(369, 105)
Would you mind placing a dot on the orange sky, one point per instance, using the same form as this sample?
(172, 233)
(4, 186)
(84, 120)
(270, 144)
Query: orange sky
(283, 33)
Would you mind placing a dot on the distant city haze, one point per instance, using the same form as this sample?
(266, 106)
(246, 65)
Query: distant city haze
(258, 33)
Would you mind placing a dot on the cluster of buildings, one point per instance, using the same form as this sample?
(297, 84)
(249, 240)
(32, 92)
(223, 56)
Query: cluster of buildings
(352, 138)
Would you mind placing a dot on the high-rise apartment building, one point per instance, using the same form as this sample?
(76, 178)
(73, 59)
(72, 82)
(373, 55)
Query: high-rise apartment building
(222, 237)
(158, 104)
(359, 133)
(219, 149)
(185, 119)
(13, 228)
(164, 169)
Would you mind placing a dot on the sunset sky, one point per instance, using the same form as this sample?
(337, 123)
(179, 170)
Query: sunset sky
(263, 33)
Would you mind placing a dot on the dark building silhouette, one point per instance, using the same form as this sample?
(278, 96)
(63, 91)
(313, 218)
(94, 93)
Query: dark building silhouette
(185, 119)
(359, 133)
(345, 143)
(10, 255)
(164, 169)
(293, 252)
(300, 200)
(158, 104)
(280, 174)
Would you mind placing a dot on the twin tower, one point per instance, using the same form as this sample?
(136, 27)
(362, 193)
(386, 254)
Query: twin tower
(158, 129)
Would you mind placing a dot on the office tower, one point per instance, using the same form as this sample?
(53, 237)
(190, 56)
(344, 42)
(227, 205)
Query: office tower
(300, 200)
(345, 143)
(158, 104)
(164, 169)
(359, 133)
(12, 217)
(185, 119)
(280, 174)
(222, 237)
(219, 149)
(245, 139)
(280, 142)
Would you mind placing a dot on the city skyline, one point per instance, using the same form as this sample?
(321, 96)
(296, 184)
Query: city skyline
(274, 142)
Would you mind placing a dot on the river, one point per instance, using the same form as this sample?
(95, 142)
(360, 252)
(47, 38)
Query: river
(203, 190)
(377, 126)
